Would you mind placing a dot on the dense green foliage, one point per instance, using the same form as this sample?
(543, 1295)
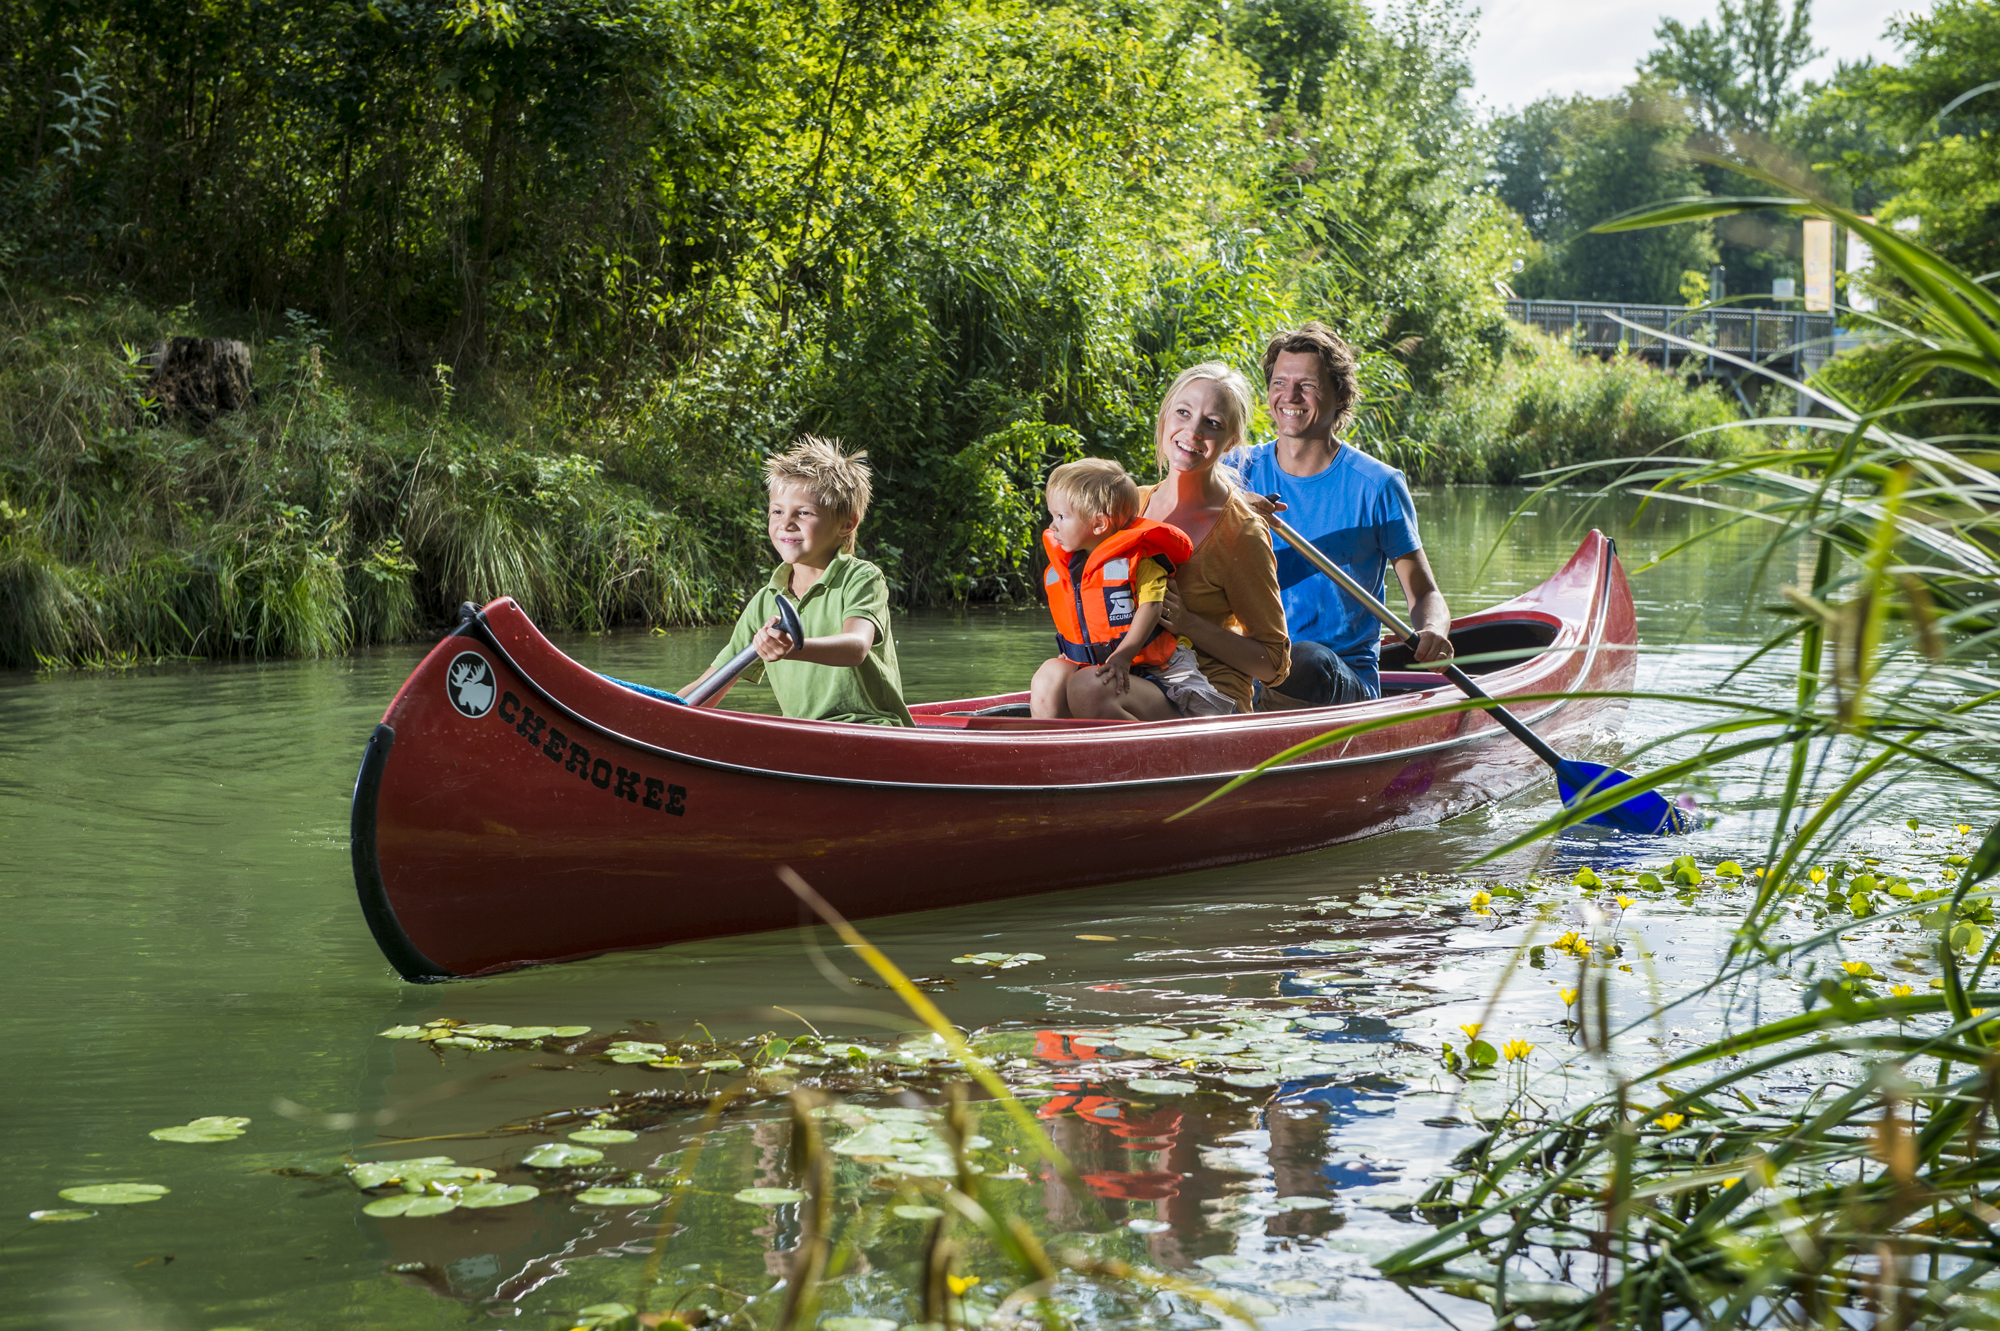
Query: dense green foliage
(1546, 407)
(324, 518)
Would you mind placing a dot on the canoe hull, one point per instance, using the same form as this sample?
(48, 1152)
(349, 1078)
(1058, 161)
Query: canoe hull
(516, 808)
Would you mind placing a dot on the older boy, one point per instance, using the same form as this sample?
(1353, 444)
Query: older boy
(846, 669)
(1355, 509)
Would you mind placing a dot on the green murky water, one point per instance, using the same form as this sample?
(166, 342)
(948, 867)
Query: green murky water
(184, 942)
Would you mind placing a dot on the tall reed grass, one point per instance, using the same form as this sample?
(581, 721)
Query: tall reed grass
(1710, 1201)
(328, 517)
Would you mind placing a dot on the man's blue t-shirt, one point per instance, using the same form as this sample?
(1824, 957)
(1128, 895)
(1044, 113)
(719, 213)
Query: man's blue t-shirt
(1359, 513)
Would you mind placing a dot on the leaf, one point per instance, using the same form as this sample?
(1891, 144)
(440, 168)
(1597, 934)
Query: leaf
(1098, 938)
(1161, 1086)
(482, 1195)
(114, 1194)
(560, 1155)
(59, 1217)
(188, 1132)
(916, 1212)
(618, 1196)
(569, 1032)
(1303, 1203)
(858, 1324)
(412, 1205)
(1986, 859)
(1692, 209)
(1482, 1053)
(603, 1136)
(770, 1196)
(601, 1315)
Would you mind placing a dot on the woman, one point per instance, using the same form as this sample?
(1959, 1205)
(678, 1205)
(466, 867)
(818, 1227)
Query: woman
(1224, 599)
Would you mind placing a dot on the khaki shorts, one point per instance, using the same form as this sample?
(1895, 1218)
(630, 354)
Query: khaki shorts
(1187, 689)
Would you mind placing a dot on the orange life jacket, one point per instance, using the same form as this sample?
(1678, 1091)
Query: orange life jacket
(1091, 619)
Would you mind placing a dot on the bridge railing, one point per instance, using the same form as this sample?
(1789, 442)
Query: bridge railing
(1793, 342)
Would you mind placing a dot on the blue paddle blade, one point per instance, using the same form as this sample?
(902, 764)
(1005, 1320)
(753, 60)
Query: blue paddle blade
(1647, 812)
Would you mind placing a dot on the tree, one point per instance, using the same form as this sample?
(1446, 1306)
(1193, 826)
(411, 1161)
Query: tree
(1737, 76)
(1577, 162)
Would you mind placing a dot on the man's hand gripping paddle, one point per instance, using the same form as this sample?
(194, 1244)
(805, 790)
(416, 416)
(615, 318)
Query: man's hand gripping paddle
(1647, 813)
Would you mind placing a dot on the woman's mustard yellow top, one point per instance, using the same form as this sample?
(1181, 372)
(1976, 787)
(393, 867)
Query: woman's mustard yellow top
(1232, 579)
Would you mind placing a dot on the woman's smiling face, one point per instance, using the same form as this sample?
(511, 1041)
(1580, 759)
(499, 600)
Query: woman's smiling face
(1195, 429)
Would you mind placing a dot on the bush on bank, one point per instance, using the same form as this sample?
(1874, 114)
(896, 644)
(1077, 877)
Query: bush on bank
(1544, 406)
(329, 516)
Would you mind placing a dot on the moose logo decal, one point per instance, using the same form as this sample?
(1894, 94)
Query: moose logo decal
(470, 684)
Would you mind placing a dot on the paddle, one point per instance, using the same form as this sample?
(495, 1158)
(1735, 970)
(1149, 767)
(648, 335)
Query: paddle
(1647, 812)
(788, 621)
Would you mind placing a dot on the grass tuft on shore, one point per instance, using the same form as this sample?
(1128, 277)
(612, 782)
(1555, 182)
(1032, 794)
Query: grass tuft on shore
(337, 512)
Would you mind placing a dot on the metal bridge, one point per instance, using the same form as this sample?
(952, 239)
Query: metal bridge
(1792, 343)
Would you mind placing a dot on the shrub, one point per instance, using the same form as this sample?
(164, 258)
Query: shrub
(1545, 406)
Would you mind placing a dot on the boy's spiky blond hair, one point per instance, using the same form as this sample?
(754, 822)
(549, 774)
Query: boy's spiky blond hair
(1098, 485)
(837, 481)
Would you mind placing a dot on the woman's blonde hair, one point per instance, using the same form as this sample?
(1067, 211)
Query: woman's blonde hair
(1235, 407)
(837, 481)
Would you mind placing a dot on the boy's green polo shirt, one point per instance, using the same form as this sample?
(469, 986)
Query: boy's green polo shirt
(871, 692)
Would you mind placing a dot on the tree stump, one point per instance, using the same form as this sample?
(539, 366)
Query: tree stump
(201, 377)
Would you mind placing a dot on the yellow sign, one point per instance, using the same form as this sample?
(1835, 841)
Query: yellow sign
(1819, 264)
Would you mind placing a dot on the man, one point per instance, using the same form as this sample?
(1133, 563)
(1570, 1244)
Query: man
(1355, 509)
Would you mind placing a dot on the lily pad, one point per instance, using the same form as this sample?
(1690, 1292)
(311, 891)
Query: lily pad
(1221, 1262)
(722, 1064)
(568, 1032)
(998, 960)
(414, 1174)
(1302, 1203)
(1141, 1225)
(1387, 1201)
(402, 1033)
(59, 1217)
(770, 1196)
(481, 1195)
(114, 1194)
(1294, 1288)
(410, 1204)
(601, 1314)
(618, 1196)
(1161, 1086)
(857, 1324)
(916, 1212)
(561, 1155)
(1253, 1304)
(603, 1136)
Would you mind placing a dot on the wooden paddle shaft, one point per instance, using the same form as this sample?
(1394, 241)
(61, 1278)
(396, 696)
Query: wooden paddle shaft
(1313, 555)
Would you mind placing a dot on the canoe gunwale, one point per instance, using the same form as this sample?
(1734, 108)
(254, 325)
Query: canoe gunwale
(1590, 645)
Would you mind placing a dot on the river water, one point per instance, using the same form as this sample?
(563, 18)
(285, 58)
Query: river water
(184, 941)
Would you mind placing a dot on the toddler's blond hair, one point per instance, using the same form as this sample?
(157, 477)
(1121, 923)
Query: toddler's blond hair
(1098, 486)
(837, 481)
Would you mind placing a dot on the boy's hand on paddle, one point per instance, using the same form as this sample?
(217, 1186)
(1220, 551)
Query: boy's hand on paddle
(1264, 505)
(773, 643)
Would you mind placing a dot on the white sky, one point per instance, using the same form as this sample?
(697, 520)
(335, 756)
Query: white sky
(1530, 48)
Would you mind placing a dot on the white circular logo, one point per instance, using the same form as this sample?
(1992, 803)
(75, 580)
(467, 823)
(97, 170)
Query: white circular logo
(470, 684)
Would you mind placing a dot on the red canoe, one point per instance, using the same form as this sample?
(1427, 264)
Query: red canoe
(515, 807)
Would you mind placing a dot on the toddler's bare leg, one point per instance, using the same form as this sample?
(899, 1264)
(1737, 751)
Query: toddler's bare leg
(1048, 696)
(1144, 701)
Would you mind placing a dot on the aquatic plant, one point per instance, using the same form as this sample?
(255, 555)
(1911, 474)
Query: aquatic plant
(1720, 1200)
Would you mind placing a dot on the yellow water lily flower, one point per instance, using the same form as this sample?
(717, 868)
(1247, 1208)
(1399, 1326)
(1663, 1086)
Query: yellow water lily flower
(1516, 1050)
(960, 1284)
(1856, 967)
(1481, 899)
(1901, 990)
(1671, 1121)
(1574, 943)
(1816, 874)
(1732, 1181)
(1626, 903)
(1472, 1029)
(1963, 828)
(1568, 996)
